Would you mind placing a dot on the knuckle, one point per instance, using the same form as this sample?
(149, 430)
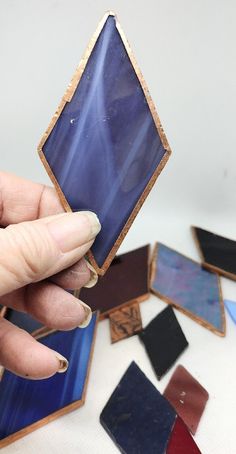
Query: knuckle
(32, 249)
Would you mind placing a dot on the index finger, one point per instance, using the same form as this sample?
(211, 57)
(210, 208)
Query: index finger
(22, 200)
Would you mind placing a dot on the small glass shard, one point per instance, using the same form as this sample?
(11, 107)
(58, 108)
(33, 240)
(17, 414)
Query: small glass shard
(231, 308)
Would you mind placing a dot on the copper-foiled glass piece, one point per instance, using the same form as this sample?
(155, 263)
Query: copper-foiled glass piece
(23, 320)
(125, 322)
(125, 281)
(105, 146)
(217, 252)
(164, 341)
(137, 417)
(189, 287)
(187, 396)
(26, 404)
(181, 441)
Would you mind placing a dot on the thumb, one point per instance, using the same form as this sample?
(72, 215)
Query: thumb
(32, 251)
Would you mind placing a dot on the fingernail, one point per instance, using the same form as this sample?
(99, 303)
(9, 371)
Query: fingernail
(88, 315)
(94, 221)
(74, 229)
(63, 363)
(93, 276)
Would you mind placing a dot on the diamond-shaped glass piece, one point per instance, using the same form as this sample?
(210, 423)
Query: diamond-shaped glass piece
(187, 396)
(218, 253)
(190, 288)
(105, 146)
(137, 417)
(24, 402)
(164, 341)
(124, 282)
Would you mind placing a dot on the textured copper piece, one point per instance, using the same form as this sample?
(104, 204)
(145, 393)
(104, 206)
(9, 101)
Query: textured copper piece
(125, 322)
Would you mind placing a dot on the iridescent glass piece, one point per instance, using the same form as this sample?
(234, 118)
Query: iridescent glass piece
(189, 287)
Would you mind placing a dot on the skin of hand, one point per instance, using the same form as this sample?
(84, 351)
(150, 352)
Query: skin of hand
(42, 254)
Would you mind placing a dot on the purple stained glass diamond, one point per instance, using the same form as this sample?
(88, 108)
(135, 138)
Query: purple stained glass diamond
(107, 146)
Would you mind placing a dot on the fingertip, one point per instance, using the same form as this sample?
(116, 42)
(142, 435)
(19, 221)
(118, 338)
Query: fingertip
(74, 277)
(55, 307)
(88, 315)
(93, 276)
(63, 363)
(22, 355)
(44, 363)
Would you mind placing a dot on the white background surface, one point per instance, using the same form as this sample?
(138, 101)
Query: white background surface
(186, 51)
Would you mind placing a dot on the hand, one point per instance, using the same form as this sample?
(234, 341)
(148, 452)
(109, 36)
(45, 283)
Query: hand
(42, 251)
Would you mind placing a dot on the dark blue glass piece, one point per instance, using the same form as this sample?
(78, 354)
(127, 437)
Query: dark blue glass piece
(23, 402)
(189, 287)
(22, 320)
(105, 145)
(137, 417)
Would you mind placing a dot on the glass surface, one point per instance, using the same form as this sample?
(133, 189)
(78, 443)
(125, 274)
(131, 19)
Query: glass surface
(23, 402)
(22, 320)
(217, 250)
(125, 280)
(188, 286)
(105, 146)
(181, 441)
(231, 308)
(137, 417)
(187, 396)
(164, 341)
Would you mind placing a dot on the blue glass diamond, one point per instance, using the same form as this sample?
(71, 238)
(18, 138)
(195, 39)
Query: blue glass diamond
(137, 417)
(24, 402)
(189, 287)
(105, 146)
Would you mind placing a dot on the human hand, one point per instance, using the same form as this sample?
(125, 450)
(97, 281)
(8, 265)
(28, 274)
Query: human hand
(42, 251)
